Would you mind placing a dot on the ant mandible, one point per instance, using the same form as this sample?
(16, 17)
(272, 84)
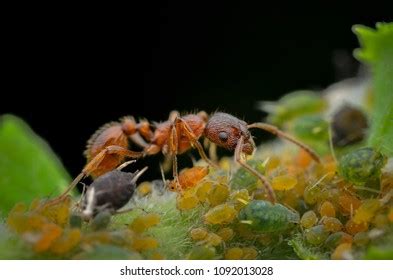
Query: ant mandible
(108, 147)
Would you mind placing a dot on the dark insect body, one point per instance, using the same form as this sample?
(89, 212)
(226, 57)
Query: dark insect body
(110, 191)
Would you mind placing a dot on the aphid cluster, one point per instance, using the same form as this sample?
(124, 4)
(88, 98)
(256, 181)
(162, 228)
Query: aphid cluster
(283, 200)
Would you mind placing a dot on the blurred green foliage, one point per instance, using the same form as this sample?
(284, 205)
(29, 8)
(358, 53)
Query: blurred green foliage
(28, 167)
(377, 51)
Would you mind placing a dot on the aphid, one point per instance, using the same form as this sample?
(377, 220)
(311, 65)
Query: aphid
(349, 126)
(309, 219)
(316, 235)
(108, 147)
(362, 165)
(264, 217)
(110, 191)
(220, 214)
(189, 178)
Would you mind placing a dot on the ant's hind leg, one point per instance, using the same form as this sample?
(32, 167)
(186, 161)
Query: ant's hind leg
(173, 147)
(275, 131)
(95, 163)
(265, 182)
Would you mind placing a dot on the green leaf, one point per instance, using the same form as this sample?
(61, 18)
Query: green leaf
(28, 167)
(377, 51)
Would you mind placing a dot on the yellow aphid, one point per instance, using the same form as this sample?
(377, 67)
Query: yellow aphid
(198, 234)
(309, 219)
(327, 209)
(234, 253)
(353, 228)
(218, 194)
(58, 213)
(225, 163)
(157, 256)
(332, 224)
(187, 201)
(144, 188)
(225, 233)
(367, 210)
(144, 222)
(240, 198)
(213, 239)
(50, 232)
(284, 182)
(67, 242)
(144, 243)
(272, 163)
(221, 214)
(390, 215)
(342, 251)
(249, 253)
(203, 190)
(190, 177)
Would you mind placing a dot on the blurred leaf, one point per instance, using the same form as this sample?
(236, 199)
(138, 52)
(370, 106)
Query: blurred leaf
(377, 51)
(28, 167)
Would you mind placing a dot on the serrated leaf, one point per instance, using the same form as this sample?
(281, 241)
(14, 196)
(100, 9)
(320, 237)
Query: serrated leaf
(377, 51)
(28, 167)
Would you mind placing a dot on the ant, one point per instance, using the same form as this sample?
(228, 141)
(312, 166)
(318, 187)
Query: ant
(108, 147)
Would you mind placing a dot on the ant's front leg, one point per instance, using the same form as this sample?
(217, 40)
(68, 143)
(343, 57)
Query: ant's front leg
(265, 182)
(192, 138)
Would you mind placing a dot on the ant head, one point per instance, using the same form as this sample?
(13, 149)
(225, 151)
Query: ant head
(225, 130)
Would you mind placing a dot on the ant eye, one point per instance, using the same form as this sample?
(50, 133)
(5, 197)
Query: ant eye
(223, 136)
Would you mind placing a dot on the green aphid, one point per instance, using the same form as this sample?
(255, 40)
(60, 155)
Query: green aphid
(75, 221)
(293, 105)
(243, 179)
(311, 128)
(101, 220)
(316, 235)
(362, 165)
(264, 217)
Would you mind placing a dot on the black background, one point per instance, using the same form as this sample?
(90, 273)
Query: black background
(71, 69)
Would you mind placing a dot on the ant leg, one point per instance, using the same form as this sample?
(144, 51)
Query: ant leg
(275, 131)
(190, 135)
(96, 161)
(238, 158)
(138, 140)
(173, 147)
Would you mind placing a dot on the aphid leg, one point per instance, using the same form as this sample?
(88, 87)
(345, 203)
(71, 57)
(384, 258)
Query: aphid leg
(275, 131)
(265, 182)
(190, 135)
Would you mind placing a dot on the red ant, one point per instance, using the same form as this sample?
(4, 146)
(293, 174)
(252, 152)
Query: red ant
(108, 147)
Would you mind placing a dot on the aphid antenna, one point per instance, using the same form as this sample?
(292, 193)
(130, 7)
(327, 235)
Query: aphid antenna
(163, 176)
(125, 164)
(331, 147)
(138, 175)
